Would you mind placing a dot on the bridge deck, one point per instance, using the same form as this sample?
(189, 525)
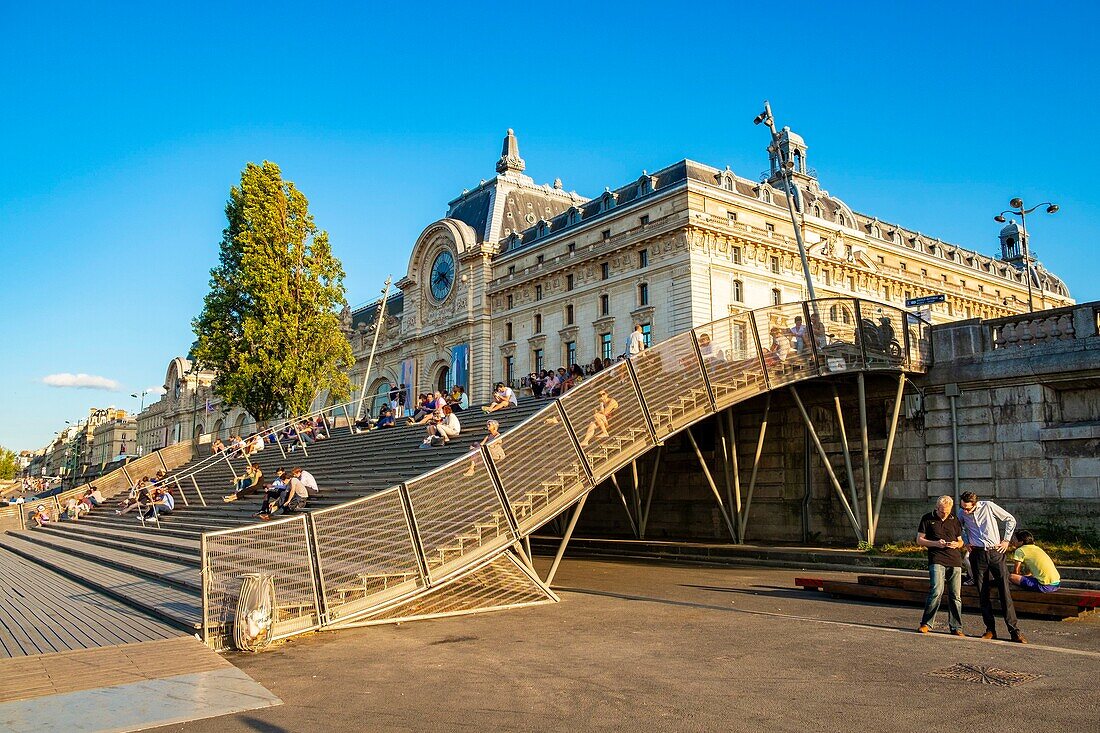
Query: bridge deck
(42, 612)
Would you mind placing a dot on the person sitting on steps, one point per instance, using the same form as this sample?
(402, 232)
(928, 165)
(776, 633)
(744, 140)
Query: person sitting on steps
(493, 444)
(249, 483)
(503, 398)
(601, 417)
(446, 428)
(273, 495)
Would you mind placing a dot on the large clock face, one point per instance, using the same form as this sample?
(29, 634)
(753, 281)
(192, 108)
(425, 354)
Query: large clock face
(442, 277)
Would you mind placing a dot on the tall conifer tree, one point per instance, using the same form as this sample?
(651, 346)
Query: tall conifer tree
(269, 328)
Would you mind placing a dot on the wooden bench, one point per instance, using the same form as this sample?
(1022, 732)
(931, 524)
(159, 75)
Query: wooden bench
(1064, 603)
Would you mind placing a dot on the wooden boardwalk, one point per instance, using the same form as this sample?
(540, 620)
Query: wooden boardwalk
(42, 612)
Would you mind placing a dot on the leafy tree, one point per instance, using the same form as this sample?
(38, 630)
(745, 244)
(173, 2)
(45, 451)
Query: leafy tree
(269, 328)
(9, 464)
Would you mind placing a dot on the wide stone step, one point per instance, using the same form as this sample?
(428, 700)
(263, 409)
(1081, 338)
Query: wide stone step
(181, 608)
(181, 573)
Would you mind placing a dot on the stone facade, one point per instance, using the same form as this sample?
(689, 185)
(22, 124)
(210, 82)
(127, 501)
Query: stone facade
(540, 273)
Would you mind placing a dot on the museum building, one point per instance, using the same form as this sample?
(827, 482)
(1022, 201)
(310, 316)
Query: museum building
(520, 277)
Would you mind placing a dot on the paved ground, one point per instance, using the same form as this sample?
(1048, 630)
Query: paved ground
(660, 648)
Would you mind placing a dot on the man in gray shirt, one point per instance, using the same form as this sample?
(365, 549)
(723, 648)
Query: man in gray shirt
(981, 523)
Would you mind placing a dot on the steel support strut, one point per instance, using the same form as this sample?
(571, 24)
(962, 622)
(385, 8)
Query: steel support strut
(886, 459)
(866, 450)
(735, 467)
(756, 463)
(565, 540)
(626, 505)
(825, 459)
(713, 487)
(847, 452)
(652, 487)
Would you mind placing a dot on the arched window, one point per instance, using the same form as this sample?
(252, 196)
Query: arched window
(738, 291)
(765, 196)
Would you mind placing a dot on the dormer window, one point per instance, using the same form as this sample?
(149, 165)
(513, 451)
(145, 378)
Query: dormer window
(573, 216)
(608, 200)
(725, 179)
(646, 184)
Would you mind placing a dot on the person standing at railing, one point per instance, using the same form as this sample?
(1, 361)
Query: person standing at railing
(636, 343)
(798, 334)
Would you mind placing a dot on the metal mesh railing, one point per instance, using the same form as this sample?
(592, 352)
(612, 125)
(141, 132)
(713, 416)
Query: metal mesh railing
(11, 517)
(787, 357)
(608, 419)
(882, 335)
(366, 554)
(920, 343)
(731, 359)
(458, 515)
(672, 384)
(501, 583)
(835, 328)
(280, 549)
(539, 468)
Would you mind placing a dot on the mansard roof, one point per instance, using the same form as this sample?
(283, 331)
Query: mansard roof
(365, 314)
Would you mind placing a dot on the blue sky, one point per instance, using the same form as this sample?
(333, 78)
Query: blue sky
(124, 127)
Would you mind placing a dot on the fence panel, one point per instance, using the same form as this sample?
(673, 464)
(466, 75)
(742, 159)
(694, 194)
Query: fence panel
(672, 384)
(281, 549)
(11, 517)
(606, 415)
(835, 329)
(539, 468)
(365, 554)
(882, 330)
(731, 358)
(458, 515)
(788, 357)
(920, 343)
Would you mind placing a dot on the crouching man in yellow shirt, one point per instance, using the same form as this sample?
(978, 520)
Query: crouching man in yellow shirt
(1034, 568)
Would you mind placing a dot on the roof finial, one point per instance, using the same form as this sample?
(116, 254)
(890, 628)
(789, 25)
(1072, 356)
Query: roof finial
(510, 162)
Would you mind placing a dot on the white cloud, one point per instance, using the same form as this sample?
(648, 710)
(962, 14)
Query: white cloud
(81, 381)
(157, 390)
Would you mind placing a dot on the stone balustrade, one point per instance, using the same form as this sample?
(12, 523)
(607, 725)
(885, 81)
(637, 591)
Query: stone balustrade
(969, 338)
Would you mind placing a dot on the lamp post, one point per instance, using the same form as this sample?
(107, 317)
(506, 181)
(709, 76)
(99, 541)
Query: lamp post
(1017, 205)
(142, 398)
(786, 167)
(379, 324)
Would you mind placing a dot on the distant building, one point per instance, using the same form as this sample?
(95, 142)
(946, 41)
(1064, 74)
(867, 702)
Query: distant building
(519, 276)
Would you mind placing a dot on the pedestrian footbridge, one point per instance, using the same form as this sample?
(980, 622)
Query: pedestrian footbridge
(405, 534)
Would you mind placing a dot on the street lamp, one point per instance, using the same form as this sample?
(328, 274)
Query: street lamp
(786, 167)
(142, 398)
(1017, 205)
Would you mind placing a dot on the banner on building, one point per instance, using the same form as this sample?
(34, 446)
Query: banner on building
(460, 367)
(407, 377)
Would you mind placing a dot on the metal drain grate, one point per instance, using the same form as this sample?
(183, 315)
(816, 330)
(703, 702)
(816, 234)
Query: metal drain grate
(984, 675)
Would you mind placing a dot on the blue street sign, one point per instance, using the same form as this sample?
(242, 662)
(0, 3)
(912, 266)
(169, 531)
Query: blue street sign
(926, 300)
